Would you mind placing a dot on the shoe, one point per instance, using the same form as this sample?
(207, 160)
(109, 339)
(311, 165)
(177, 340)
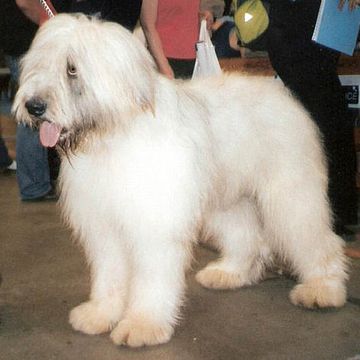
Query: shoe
(345, 233)
(50, 196)
(7, 170)
(12, 166)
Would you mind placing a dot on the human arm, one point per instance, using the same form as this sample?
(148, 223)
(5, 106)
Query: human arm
(148, 18)
(35, 11)
(210, 9)
(216, 7)
(31, 9)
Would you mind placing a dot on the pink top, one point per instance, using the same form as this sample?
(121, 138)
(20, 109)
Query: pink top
(178, 27)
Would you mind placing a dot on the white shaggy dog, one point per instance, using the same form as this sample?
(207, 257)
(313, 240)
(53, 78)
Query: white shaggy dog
(150, 164)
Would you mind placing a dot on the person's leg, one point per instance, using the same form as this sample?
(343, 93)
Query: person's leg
(32, 164)
(54, 164)
(182, 68)
(331, 114)
(5, 159)
(32, 158)
(311, 73)
(323, 96)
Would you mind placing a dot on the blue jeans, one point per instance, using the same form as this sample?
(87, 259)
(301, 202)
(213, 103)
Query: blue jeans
(33, 174)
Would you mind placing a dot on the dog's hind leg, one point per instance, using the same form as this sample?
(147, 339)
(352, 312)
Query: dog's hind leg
(238, 234)
(298, 219)
(107, 259)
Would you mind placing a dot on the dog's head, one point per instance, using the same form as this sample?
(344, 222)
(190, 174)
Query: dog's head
(82, 74)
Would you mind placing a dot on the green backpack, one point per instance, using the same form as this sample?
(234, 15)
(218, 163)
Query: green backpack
(251, 20)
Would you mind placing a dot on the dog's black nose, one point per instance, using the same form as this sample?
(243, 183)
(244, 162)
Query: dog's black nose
(35, 106)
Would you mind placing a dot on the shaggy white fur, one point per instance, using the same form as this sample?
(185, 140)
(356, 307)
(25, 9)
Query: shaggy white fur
(149, 164)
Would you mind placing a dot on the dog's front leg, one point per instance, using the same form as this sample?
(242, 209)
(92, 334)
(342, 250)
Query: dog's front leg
(106, 255)
(157, 287)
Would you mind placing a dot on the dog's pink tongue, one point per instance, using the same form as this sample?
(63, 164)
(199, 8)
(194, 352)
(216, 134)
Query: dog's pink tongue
(49, 134)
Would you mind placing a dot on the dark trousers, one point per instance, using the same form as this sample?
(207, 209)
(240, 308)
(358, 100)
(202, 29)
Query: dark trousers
(183, 68)
(5, 159)
(310, 71)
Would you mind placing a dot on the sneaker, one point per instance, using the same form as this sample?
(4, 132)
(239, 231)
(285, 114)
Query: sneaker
(345, 233)
(50, 196)
(12, 166)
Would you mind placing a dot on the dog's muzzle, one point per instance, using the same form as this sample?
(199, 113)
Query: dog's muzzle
(35, 107)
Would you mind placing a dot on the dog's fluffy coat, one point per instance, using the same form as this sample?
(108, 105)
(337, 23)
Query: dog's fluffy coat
(151, 164)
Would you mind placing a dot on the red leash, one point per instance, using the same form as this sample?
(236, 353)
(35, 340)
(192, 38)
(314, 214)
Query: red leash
(48, 10)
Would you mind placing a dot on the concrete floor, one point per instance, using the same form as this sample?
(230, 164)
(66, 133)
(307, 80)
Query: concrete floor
(44, 276)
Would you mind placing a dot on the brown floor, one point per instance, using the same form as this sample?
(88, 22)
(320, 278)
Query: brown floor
(44, 276)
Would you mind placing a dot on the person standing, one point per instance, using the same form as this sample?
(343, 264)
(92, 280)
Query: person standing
(124, 12)
(34, 176)
(171, 28)
(33, 172)
(310, 72)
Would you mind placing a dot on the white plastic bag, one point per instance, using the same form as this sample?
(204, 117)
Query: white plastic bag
(207, 63)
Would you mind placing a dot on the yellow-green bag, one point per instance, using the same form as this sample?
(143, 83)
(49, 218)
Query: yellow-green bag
(251, 20)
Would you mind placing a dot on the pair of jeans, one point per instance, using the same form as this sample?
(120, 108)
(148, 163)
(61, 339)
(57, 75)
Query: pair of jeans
(33, 174)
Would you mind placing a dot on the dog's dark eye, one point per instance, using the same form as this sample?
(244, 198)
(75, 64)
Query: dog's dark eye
(71, 70)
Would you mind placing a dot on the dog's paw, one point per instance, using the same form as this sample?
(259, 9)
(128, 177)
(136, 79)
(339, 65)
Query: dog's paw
(216, 278)
(94, 318)
(319, 293)
(140, 331)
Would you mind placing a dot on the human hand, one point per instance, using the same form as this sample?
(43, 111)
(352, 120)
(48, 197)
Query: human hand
(209, 17)
(352, 4)
(168, 72)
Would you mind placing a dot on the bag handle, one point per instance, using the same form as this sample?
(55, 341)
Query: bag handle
(204, 34)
